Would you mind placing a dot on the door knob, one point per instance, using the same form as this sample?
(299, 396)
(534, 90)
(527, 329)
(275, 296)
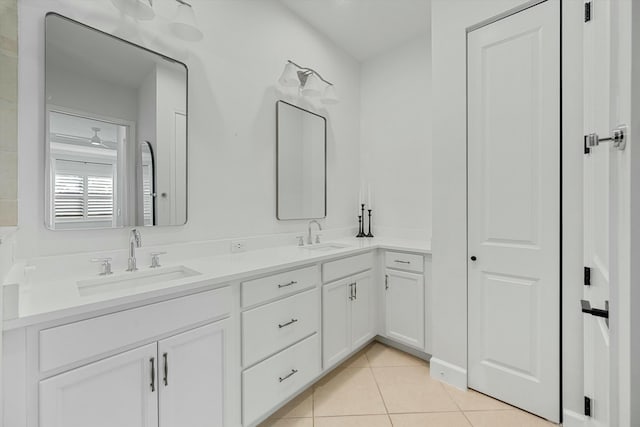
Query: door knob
(473, 258)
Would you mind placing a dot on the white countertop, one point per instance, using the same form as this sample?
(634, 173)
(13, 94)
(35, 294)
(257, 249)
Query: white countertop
(50, 300)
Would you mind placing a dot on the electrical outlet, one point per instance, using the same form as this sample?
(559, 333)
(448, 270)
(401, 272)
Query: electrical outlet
(238, 246)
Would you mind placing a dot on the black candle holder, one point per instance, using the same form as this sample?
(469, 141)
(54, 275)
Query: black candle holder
(360, 227)
(369, 233)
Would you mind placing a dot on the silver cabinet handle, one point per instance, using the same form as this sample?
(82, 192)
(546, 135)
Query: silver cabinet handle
(386, 282)
(166, 370)
(289, 375)
(153, 374)
(355, 290)
(291, 322)
(402, 262)
(291, 283)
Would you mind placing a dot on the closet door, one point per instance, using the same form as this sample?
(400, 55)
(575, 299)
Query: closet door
(120, 391)
(514, 209)
(191, 375)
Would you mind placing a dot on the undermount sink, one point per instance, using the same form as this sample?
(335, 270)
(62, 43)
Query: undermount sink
(134, 280)
(325, 247)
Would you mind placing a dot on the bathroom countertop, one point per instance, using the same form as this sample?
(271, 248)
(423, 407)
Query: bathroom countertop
(41, 300)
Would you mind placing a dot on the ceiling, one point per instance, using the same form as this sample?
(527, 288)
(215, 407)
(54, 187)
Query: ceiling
(365, 28)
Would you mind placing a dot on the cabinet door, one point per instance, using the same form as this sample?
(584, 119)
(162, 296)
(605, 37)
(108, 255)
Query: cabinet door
(362, 310)
(117, 391)
(191, 377)
(405, 308)
(336, 321)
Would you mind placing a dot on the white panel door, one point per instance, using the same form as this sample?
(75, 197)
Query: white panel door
(597, 207)
(191, 375)
(404, 308)
(336, 322)
(514, 209)
(118, 391)
(361, 309)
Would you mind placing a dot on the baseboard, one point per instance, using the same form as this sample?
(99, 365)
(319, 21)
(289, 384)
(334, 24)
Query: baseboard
(410, 350)
(573, 419)
(448, 373)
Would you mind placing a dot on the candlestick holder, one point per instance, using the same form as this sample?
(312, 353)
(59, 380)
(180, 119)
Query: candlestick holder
(369, 233)
(360, 227)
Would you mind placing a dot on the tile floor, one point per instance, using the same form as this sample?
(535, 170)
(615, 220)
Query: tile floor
(383, 387)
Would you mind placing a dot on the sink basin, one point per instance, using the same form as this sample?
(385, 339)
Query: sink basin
(326, 247)
(133, 280)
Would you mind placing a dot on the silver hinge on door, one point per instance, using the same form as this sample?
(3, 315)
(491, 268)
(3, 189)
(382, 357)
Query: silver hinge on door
(618, 138)
(587, 11)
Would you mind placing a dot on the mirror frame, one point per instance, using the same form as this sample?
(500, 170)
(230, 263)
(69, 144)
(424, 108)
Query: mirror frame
(47, 148)
(278, 162)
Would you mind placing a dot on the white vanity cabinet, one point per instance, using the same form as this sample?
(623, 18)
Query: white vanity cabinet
(175, 382)
(163, 364)
(112, 392)
(347, 308)
(404, 299)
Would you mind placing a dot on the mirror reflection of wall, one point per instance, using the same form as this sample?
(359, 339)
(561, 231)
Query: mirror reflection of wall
(105, 99)
(301, 143)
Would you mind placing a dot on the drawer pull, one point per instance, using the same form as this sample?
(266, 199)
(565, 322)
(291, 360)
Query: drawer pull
(291, 283)
(402, 262)
(289, 375)
(153, 373)
(291, 322)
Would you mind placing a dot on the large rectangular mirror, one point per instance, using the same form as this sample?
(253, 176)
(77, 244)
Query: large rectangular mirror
(116, 131)
(302, 163)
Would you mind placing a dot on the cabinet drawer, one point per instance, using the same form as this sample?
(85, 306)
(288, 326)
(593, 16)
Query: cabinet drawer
(346, 267)
(272, 327)
(276, 379)
(402, 261)
(72, 343)
(278, 285)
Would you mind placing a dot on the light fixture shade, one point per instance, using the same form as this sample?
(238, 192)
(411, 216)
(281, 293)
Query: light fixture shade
(184, 26)
(330, 96)
(137, 9)
(313, 86)
(289, 77)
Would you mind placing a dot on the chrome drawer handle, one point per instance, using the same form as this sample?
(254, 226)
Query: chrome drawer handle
(291, 283)
(291, 322)
(289, 375)
(402, 262)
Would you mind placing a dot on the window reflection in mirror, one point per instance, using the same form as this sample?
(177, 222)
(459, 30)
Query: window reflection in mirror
(116, 131)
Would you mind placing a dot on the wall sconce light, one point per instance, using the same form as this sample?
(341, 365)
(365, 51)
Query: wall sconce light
(184, 26)
(309, 82)
(137, 9)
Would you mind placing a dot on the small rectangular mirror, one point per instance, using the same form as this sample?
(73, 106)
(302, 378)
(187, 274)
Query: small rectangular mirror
(116, 131)
(302, 163)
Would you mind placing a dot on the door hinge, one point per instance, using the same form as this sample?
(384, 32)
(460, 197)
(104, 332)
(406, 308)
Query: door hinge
(587, 150)
(587, 276)
(587, 406)
(587, 11)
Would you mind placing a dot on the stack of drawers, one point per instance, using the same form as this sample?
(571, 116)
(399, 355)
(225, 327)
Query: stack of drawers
(280, 338)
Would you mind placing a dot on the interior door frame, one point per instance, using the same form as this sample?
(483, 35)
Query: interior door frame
(520, 8)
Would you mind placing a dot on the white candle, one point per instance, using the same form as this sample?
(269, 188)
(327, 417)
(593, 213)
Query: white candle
(371, 199)
(369, 195)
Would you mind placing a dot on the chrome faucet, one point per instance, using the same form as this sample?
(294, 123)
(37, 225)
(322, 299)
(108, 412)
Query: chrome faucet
(309, 238)
(135, 241)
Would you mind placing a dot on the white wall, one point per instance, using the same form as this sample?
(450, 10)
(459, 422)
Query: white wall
(232, 74)
(396, 137)
(449, 23)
